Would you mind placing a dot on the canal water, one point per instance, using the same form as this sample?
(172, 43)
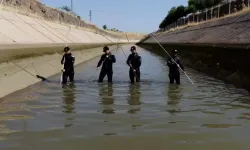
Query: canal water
(149, 115)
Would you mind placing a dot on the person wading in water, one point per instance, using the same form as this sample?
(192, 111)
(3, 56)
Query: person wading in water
(68, 61)
(134, 61)
(174, 73)
(107, 60)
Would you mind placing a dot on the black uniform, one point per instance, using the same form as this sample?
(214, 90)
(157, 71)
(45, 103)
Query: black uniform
(68, 60)
(106, 61)
(174, 74)
(135, 60)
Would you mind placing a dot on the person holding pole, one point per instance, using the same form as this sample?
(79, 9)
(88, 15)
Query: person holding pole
(174, 64)
(68, 61)
(134, 62)
(106, 60)
(172, 60)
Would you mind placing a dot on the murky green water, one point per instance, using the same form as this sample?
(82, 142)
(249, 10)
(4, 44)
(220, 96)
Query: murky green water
(208, 115)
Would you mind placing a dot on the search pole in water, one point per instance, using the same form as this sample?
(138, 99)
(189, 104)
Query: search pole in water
(172, 58)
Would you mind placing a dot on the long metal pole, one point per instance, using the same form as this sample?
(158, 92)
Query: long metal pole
(172, 58)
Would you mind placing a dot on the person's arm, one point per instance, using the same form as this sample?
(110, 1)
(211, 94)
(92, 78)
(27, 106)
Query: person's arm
(62, 61)
(100, 62)
(113, 59)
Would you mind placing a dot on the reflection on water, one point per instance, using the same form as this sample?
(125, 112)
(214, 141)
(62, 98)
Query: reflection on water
(69, 102)
(69, 98)
(207, 115)
(106, 93)
(174, 94)
(134, 98)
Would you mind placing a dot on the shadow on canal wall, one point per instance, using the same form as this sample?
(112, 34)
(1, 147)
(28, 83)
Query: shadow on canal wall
(228, 64)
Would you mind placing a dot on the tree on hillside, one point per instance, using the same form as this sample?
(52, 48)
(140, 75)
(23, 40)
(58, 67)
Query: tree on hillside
(105, 27)
(175, 13)
(162, 24)
(216, 2)
(190, 9)
(208, 3)
(200, 4)
(171, 15)
(66, 8)
(191, 2)
(180, 12)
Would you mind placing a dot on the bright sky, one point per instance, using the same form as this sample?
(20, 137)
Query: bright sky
(142, 16)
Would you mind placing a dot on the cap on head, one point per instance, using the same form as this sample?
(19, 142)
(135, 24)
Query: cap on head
(133, 48)
(175, 51)
(66, 49)
(105, 48)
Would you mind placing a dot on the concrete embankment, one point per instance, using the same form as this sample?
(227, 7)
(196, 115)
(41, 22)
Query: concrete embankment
(219, 48)
(18, 73)
(36, 9)
(33, 46)
(21, 29)
(226, 32)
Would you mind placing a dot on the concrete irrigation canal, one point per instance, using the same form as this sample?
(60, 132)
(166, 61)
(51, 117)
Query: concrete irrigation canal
(206, 115)
(208, 110)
